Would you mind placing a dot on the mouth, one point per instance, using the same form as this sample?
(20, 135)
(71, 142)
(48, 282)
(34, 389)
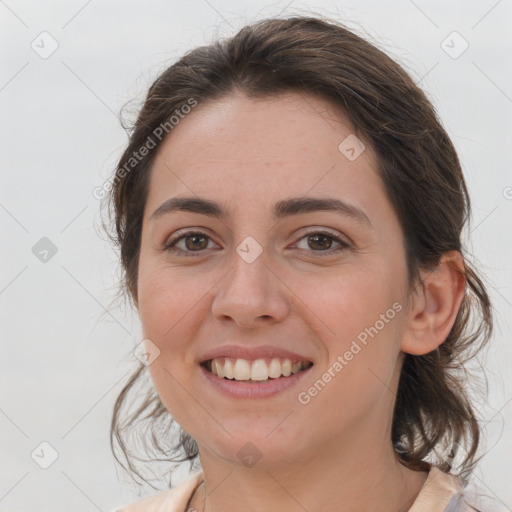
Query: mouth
(255, 371)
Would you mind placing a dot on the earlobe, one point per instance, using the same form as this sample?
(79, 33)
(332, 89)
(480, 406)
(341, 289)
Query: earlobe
(435, 305)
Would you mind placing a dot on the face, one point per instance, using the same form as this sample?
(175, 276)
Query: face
(271, 280)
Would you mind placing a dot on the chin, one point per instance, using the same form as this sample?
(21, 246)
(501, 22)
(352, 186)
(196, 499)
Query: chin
(255, 448)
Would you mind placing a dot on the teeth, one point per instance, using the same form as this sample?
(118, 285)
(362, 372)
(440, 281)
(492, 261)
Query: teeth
(286, 368)
(242, 370)
(217, 368)
(274, 370)
(258, 370)
(228, 369)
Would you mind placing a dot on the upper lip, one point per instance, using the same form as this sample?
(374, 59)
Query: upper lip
(252, 353)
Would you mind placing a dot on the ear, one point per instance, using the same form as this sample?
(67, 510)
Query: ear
(435, 305)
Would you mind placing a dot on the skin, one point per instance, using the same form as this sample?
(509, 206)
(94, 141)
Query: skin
(335, 453)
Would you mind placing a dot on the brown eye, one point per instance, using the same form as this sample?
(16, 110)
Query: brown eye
(196, 242)
(322, 242)
(188, 243)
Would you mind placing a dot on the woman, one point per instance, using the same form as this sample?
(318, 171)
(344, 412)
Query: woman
(289, 213)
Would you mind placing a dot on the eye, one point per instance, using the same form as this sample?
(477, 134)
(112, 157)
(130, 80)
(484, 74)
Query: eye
(191, 242)
(322, 241)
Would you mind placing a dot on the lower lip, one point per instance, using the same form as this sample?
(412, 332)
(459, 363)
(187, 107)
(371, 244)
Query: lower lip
(241, 389)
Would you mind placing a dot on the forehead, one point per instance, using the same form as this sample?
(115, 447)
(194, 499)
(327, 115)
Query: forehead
(261, 150)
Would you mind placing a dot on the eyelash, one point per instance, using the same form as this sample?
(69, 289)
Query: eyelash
(170, 246)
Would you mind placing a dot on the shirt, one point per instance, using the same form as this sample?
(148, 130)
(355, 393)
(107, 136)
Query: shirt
(441, 492)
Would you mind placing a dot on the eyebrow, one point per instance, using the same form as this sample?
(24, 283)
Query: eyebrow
(282, 209)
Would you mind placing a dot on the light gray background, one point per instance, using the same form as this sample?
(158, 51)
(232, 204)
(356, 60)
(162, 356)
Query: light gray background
(65, 350)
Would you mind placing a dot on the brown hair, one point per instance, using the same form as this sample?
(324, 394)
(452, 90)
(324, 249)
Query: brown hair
(422, 177)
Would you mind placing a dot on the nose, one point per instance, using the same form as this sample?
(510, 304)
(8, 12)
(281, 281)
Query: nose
(250, 294)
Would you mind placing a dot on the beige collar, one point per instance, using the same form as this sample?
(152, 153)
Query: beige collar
(436, 492)
(434, 496)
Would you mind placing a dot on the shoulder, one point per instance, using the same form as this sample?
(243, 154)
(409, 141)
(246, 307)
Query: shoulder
(173, 500)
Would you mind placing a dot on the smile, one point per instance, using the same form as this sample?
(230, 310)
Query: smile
(257, 370)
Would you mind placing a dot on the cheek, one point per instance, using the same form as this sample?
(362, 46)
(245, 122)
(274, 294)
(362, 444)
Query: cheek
(360, 324)
(169, 320)
(350, 301)
(165, 301)
(159, 309)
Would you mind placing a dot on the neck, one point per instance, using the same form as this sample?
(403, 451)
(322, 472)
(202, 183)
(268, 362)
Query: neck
(362, 478)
